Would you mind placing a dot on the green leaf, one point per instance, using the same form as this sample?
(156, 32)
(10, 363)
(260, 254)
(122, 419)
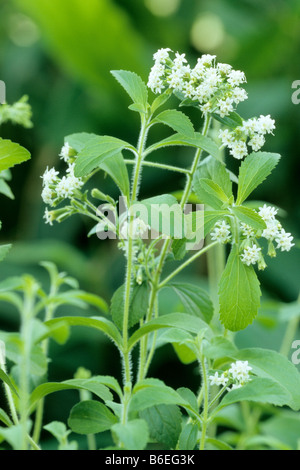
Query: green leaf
(177, 120)
(216, 444)
(171, 320)
(163, 214)
(138, 305)
(179, 248)
(13, 435)
(11, 154)
(185, 353)
(197, 141)
(210, 193)
(148, 393)
(284, 427)
(58, 430)
(80, 140)
(219, 347)
(4, 418)
(249, 216)
(272, 365)
(96, 152)
(134, 86)
(239, 293)
(195, 300)
(94, 385)
(4, 377)
(202, 222)
(98, 323)
(212, 169)
(116, 168)
(5, 189)
(253, 171)
(188, 437)
(4, 249)
(164, 423)
(232, 121)
(91, 417)
(133, 435)
(262, 390)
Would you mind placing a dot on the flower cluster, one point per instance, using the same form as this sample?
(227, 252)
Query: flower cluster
(215, 86)
(55, 189)
(250, 134)
(251, 251)
(237, 376)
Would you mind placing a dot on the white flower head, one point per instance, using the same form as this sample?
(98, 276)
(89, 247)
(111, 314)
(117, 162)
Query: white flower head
(239, 372)
(267, 213)
(218, 380)
(284, 240)
(221, 232)
(48, 216)
(50, 176)
(251, 255)
(48, 195)
(65, 152)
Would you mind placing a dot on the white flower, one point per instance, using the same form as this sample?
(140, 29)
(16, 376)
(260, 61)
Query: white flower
(265, 125)
(161, 55)
(239, 95)
(272, 230)
(247, 230)
(238, 149)
(221, 232)
(225, 107)
(65, 152)
(49, 177)
(135, 229)
(251, 254)
(67, 185)
(226, 137)
(48, 216)
(257, 142)
(284, 240)
(47, 195)
(239, 372)
(267, 213)
(236, 78)
(218, 380)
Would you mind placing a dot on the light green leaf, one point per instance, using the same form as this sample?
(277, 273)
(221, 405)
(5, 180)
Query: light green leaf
(219, 347)
(232, 121)
(138, 305)
(11, 154)
(249, 216)
(272, 365)
(91, 417)
(216, 171)
(116, 168)
(98, 323)
(133, 435)
(197, 141)
(172, 320)
(177, 120)
(188, 437)
(4, 418)
(58, 430)
(148, 393)
(164, 423)
(80, 140)
(185, 353)
(253, 171)
(262, 390)
(210, 193)
(195, 300)
(4, 377)
(284, 427)
(134, 86)
(5, 189)
(239, 293)
(96, 152)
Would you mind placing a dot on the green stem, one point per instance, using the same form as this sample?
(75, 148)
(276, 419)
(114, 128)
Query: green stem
(161, 166)
(205, 404)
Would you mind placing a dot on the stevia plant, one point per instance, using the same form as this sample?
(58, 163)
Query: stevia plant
(239, 236)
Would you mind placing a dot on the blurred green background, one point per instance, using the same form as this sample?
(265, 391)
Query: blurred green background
(60, 53)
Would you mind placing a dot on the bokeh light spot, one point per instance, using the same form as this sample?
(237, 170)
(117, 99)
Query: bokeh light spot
(162, 7)
(207, 33)
(22, 31)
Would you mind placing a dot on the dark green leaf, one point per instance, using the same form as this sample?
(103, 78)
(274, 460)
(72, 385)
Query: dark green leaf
(133, 435)
(164, 423)
(91, 417)
(177, 120)
(195, 300)
(138, 305)
(188, 437)
(134, 86)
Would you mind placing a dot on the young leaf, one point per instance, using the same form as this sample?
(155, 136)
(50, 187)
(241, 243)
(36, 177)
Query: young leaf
(134, 86)
(80, 140)
(11, 154)
(138, 305)
(253, 171)
(177, 120)
(133, 435)
(210, 193)
(239, 293)
(116, 168)
(164, 423)
(195, 300)
(91, 417)
(96, 151)
(249, 216)
(232, 121)
(214, 170)
(153, 395)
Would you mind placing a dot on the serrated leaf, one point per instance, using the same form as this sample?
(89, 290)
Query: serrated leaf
(272, 365)
(249, 216)
(138, 305)
(96, 152)
(195, 300)
(91, 417)
(253, 171)
(11, 154)
(239, 293)
(164, 423)
(177, 120)
(133, 435)
(210, 193)
(212, 169)
(134, 86)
